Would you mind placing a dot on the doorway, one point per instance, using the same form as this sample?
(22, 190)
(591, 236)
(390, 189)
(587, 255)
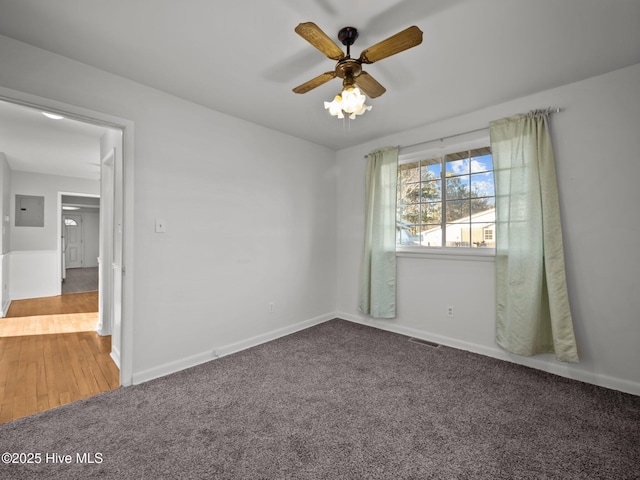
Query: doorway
(121, 187)
(80, 242)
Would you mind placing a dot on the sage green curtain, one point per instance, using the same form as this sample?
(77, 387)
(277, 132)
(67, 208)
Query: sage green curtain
(532, 304)
(378, 272)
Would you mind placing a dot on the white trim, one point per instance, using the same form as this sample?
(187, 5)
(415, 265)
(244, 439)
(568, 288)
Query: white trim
(223, 351)
(30, 252)
(5, 274)
(115, 356)
(418, 152)
(562, 370)
(448, 253)
(5, 308)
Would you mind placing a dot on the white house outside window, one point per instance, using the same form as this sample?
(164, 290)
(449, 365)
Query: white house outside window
(446, 200)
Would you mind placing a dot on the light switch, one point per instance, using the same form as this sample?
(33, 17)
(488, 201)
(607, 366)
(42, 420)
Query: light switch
(161, 225)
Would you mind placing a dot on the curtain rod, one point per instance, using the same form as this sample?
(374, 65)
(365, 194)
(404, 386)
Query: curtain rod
(548, 110)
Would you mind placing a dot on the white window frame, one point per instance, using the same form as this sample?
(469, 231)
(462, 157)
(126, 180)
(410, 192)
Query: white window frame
(450, 253)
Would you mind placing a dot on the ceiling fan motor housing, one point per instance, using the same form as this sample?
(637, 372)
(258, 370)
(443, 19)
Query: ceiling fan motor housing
(348, 35)
(348, 69)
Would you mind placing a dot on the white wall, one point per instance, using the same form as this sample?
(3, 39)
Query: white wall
(48, 186)
(250, 216)
(33, 274)
(596, 143)
(33, 270)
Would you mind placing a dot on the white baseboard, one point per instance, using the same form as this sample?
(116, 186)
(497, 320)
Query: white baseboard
(222, 351)
(563, 370)
(5, 308)
(557, 368)
(115, 356)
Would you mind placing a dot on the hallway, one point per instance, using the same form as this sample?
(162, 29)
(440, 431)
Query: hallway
(51, 355)
(80, 280)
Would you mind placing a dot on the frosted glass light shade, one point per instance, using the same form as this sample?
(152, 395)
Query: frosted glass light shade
(350, 101)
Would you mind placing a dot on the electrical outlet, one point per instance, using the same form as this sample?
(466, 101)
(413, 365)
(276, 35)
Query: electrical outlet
(271, 307)
(450, 312)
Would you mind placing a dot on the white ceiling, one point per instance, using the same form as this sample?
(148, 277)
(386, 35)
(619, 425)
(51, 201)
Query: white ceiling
(242, 57)
(34, 143)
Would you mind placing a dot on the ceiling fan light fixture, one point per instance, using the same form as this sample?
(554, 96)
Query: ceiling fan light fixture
(351, 102)
(335, 106)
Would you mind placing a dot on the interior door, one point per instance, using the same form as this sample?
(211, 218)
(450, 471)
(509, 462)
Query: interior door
(73, 240)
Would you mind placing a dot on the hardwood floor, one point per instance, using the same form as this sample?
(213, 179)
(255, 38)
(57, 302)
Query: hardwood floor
(86, 302)
(51, 355)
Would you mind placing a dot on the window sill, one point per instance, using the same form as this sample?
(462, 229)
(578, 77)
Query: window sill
(450, 253)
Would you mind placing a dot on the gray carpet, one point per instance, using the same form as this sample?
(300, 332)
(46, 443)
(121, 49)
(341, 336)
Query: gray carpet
(80, 280)
(340, 401)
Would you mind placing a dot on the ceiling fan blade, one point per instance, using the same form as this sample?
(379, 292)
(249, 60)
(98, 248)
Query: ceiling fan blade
(316, 37)
(315, 82)
(369, 85)
(397, 43)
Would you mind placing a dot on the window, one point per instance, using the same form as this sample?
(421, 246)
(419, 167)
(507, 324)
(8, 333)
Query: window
(446, 200)
(70, 222)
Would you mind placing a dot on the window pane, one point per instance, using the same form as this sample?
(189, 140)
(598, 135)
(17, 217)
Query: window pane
(431, 191)
(458, 235)
(407, 236)
(481, 163)
(457, 209)
(432, 236)
(482, 185)
(457, 167)
(431, 213)
(408, 173)
(408, 215)
(462, 155)
(483, 210)
(482, 235)
(432, 169)
(458, 187)
(409, 193)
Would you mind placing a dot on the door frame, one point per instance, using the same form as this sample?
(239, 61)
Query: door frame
(60, 216)
(126, 126)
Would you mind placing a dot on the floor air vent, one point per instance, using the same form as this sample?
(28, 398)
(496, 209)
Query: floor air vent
(424, 342)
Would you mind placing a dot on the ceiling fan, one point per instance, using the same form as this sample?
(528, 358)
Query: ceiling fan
(350, 69)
